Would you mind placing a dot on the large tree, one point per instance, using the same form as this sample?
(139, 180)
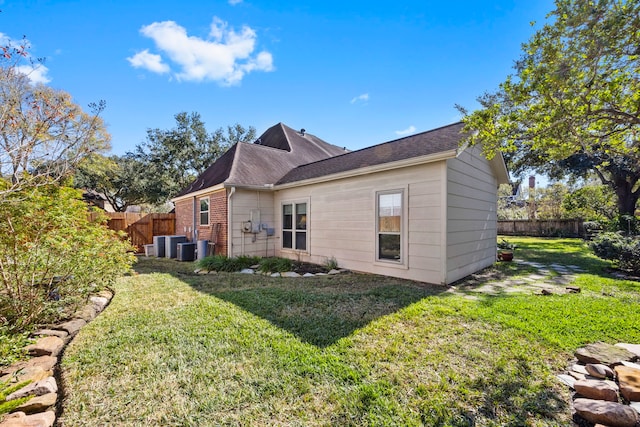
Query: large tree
(43, 133)
(122, 180)
(573, 104)
(173, 158)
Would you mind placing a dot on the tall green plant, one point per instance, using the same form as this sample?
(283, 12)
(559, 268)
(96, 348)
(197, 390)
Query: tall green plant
(52, 254)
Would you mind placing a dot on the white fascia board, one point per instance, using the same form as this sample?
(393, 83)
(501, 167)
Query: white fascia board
(444, 155)
(198, 193)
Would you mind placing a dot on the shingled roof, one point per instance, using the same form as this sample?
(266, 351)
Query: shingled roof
(278, 150)
(435, 141)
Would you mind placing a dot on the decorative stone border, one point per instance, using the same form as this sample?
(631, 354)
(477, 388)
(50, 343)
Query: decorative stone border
(253, 270)
(606, 382)
(39, 410)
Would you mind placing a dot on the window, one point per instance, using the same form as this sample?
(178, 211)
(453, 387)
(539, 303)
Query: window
(389, 236)
(204, 211)
(294, 226)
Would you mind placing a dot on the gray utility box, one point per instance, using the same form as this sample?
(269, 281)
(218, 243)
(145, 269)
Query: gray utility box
(203, 248)
(171, 245)
(159, 245)
(186, 251)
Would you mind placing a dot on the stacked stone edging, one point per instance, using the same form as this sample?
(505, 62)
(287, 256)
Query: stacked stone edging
(606, 381)
(39, 410)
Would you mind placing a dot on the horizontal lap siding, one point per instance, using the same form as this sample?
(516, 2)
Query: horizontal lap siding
(259, 244)
(471, 214)
(342, 221)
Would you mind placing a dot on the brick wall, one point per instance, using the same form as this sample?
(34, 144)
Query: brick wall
(217, 221)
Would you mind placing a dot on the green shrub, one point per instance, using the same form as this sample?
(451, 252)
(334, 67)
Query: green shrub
(625, 250)
(52, 255)
(224, 263)
(275, 265)
(331, 264)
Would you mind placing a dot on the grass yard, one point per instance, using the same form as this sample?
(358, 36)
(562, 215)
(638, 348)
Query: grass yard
(178, 349)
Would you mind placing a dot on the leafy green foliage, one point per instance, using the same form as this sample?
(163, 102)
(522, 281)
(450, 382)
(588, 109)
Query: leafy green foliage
(52, 255)
(173, 158)
(6, 388)
(121, 179)
(12, 346)
(331, 263)
(275, 265)
(224, 263)
(572, 105)
(591, 202)
(625, 250)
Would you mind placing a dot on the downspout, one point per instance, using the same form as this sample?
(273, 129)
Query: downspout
(230, 223)
(194, 234)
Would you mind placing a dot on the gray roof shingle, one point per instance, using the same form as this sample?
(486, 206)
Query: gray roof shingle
(438, 140)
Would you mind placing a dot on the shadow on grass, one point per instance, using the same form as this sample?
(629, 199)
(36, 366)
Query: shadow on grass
(318, 310)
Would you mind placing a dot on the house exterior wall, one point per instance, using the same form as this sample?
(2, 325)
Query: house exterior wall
(217, 219)
(243, 202)
(342, 221)
(471, 214)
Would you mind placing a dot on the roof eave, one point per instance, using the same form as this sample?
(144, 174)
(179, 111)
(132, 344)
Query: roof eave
(430, 158)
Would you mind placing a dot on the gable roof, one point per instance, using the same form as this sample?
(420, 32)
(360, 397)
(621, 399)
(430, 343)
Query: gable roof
(440, 140)
(278, 150)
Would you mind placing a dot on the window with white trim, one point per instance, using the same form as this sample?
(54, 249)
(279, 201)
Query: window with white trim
(204, 211)
(294, 226)
(389, 225)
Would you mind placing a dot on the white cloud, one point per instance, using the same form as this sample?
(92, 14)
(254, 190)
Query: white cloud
(363, 98)
(37, 73)
(149, 61)
(407, 131)
(226, 56)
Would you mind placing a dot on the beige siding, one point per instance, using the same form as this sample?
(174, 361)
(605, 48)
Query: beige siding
(341, 221)
(259, 244)
(471, 214)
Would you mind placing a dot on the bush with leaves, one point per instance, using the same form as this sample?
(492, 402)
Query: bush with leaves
(52, 255)
(624, 250)
(224, 263)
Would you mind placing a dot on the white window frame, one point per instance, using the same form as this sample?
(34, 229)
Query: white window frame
(201, 212)
(401, 261)
(294, 229)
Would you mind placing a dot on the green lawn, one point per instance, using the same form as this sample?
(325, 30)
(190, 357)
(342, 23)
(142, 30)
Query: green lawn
(178, 349)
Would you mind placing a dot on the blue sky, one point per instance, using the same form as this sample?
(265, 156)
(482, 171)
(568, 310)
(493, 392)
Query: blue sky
(352, 73)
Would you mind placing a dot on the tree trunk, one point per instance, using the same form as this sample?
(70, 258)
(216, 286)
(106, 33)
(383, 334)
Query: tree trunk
(627, 199)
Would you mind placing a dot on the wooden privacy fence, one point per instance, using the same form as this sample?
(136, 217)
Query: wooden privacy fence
(142, 227)
(542, 228)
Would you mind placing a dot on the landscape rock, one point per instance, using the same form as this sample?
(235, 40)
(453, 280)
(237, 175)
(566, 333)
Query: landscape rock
(274, 275)
(603, 353)
(47, 346)
(247, 271)
(290, 274)
(20, 419)
(334, 271)
(39, 388)
(633, 348)
(106, 293)
(88, 313)
(607, 413)
(30, 373)
(99, 303)
(50, 332)
(308, 275)
(631, 365)
(599, 370)
(636, 406)
(579, 368)
(573, 289)
(597, 389)
(45, 362)
(629, 381)
(72, 326)
(567, 379)
(38, 403)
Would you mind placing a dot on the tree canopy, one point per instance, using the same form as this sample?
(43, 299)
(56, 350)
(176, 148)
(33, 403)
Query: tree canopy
(573, 104)
(173, 158)
(43, 133)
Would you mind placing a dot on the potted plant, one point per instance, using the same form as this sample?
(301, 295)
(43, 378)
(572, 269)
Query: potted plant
(505, 250)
